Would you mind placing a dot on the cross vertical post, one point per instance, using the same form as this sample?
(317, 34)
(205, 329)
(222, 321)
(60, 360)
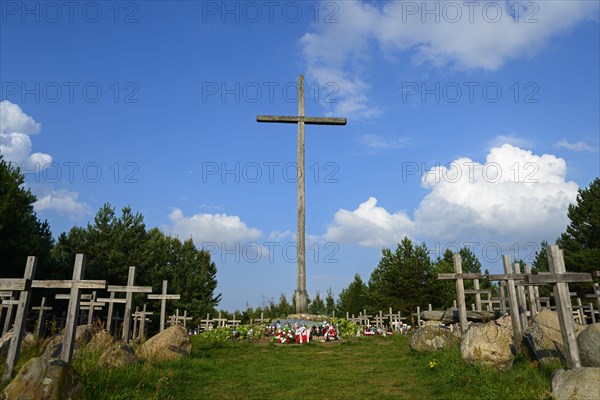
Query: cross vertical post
(301, 120)
(20, 319)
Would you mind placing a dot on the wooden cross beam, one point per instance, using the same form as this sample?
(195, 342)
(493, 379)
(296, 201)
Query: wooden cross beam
(578, 310)
(24, 284)
(301, 119)
(163, 297)
(185, 318)
(129, 290)
(40, 321)
(110, 301)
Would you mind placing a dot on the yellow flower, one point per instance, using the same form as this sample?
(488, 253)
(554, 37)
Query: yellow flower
(432, 363)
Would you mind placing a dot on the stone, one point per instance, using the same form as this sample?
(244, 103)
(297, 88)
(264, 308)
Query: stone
(588, 342)
(5, 342)
(101, 341)
(44, 379)
(171, 343)
(116, 356)
(52, 346)
(450, 316)
(546, 337)
(488, 345)
(576, 384)
(431, 338)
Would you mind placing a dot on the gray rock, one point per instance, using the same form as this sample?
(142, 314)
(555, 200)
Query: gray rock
(118, 355)
(431, 338)
(171, 343)
(588, 342)
(44, 379)
(451, 316)
(576, 384)
(488, 345)
(546, 337)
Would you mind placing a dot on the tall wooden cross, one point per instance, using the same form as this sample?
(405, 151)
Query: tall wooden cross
(163, 302)
(301, 119)
(111, 301)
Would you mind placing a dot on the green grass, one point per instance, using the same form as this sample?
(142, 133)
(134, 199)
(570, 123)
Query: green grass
(381, 368)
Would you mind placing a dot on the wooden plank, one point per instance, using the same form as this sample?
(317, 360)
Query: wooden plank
(505, 277)
(533, 309)
(73, 311)
(514, 310)
(567, 277)
(452, 276)
(521, 299)
(563, 307)
(17, 284)
(130, 289)
(65, 284)
(163, 297)
(295, 119)
(460, 292)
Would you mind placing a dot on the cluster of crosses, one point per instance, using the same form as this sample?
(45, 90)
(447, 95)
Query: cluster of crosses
(77, 302)
(524, 300)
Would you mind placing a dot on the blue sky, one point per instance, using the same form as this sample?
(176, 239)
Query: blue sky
(467, 124)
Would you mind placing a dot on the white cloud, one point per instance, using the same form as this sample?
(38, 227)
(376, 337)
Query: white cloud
(514, 195)
(15, 143)
(64, 202)
(578, 146)
(369, 226)
(463, 36)
(211, 228)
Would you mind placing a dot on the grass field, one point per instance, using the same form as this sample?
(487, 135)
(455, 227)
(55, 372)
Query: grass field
(366, 368)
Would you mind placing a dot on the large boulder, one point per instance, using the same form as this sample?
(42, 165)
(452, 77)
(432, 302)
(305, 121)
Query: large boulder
(546, 337)
(44, 379)
(431, 338)
(576, 384)
(588, 342)
(118, 355)
(171, 343)
(488, 345)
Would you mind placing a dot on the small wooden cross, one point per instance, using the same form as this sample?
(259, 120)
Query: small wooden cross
(207, 323)
(110, 301)
(40, 320)
(163, 297)
(220, 321)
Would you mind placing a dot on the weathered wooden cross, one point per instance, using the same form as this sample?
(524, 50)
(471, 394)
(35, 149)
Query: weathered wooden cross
(233, 322)
(220, 321)
(129, 290)
(163, 297)
(9, 303)
(301, 119)
(111, 301)
(40, 321)
(76, 284)
(561, 278)
(139, 319)
(207, 323)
